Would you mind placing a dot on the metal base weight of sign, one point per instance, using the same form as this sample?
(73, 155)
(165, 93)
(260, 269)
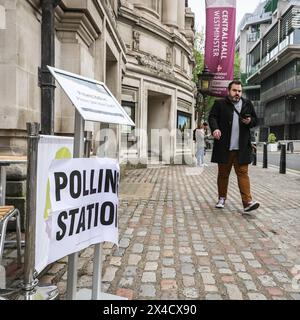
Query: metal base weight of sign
(40, 293)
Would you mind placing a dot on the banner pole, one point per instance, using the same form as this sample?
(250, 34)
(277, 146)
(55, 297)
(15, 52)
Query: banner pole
(78, 152)
(30, 288)
(32, 153)
(97, 272)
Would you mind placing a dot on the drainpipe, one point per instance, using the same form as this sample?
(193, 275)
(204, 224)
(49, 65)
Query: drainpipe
(46, 81)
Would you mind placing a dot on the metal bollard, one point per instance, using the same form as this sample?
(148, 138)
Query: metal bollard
(254, 152)
(265, 156)
(282, 165)
(292, 146)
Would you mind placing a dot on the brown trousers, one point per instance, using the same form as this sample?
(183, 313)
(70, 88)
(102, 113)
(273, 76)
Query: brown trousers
(241, 171)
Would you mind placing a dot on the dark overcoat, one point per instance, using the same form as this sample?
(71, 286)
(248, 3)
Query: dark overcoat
(221, 117)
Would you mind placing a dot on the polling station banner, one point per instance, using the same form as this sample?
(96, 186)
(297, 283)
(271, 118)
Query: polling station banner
(84, 204)
(220, 43)
(49, 148)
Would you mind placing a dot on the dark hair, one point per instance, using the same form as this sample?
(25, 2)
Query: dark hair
(234, 82)
(205, 123)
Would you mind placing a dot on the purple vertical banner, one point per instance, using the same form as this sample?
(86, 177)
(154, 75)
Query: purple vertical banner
(220, 43)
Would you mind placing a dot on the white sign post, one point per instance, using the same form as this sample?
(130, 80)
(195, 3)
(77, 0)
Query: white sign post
(93, 102)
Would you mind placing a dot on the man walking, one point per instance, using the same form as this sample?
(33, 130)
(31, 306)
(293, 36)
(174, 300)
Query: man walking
(230, 121)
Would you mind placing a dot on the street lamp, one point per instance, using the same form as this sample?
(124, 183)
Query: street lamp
(203, 86)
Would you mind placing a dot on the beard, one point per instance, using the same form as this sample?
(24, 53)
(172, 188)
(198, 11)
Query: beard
(236, 98)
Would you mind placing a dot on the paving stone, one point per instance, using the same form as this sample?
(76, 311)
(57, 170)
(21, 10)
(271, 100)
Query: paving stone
(254, 264)
(169, 295)
(281, 277)
(275, 291)
(137, 248)
(119, 253)
(227, 279)
(185, 250)
(218, 258)
(210, 288)
(129, 231)
(234, 258)
(168, 273)
(221, 264)
(188, 269)
(208, 278)
(191, 293)
(188, 281)
(267, 281)
(124, 243)
(247, 255)
(151, 266)
(201, 254)
(256, 296)
(126, 282)
(239, 267)
(244, 276)
(168, 261)
(234, 292)
(85, 282)
(154, 256)
(149, 277)
(154, 248)
(204, 269)
(184, 258)
(126, 293)
(134, 259)
(168, 284)
(147, 291)
(109, 274)
(250, 285)
(130, 271)
(225, 271)
(116, 261)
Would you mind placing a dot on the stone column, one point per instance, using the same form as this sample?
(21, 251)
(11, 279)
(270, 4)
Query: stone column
(169, 12)
(181, 15)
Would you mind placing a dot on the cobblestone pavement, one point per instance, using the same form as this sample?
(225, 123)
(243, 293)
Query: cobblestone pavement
(174, 244)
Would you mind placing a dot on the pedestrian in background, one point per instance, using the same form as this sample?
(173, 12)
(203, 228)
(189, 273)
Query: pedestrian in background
(200, 143)
(230, 120)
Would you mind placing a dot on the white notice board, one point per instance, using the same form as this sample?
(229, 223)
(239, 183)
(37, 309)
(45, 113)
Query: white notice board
(91, 98)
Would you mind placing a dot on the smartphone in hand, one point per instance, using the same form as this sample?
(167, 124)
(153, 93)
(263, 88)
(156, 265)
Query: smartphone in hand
(246, 115)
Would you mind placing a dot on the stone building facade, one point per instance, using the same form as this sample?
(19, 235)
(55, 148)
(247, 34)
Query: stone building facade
(87, 42)
(142, 50)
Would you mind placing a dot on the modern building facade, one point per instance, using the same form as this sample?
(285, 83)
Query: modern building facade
(274, 64)
(250, 29)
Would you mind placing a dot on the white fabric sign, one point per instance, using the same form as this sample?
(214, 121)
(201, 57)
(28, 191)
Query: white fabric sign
(91, 98)
(49, 148)
(84, 200)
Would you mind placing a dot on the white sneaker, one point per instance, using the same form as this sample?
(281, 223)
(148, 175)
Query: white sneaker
(221, 203)
(253, 205)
